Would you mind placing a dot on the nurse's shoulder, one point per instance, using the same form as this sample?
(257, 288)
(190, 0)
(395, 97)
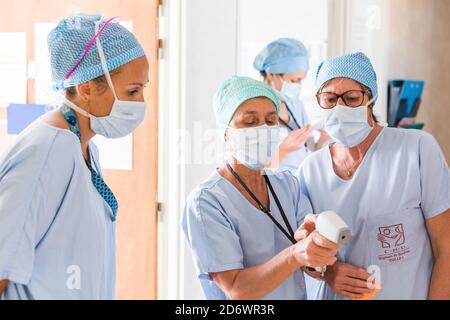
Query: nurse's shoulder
(38, 144)
(211, 189)
(409, 139)
(283, 177)
(204, 206)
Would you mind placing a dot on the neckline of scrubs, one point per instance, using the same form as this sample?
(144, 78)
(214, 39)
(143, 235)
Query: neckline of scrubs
(242, 196)
(361, 165)
(70, 133)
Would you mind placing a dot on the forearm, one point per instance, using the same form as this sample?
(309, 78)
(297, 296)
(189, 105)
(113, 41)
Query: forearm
(257, 281)
(3, 285)
(440, 279)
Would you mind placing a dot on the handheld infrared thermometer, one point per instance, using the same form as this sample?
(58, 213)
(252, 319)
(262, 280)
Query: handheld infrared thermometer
(332, 227)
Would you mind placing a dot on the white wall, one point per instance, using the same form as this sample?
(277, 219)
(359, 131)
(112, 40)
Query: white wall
(263, 21)
(366, 27)
(210, 53)
(201, 44)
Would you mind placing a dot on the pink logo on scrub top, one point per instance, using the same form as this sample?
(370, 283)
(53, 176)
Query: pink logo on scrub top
(393, 243)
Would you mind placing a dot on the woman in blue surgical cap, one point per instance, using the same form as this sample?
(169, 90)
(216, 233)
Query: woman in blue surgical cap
(391, 186)
(284, 64)
(240, 222)
(57, 215)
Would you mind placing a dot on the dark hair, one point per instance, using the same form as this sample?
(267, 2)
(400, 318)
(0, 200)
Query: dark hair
(100, 83)
(263, 74)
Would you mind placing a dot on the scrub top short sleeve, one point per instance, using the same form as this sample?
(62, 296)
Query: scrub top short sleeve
(214, 243)
(434, 176)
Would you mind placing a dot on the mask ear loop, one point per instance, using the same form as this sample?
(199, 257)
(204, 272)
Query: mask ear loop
(101, 54)
(372, 101)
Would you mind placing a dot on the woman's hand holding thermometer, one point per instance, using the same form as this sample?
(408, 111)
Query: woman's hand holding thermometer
(313, 249)
(330, 226)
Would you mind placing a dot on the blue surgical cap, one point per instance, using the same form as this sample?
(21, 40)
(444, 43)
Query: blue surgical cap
(284, 55)
(355, 66)
(234, 92)
(68, 41)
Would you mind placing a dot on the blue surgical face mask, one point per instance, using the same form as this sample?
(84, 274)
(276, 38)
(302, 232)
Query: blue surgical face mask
(290, 90)
(347, 126)
(125, 116)
(254, 146)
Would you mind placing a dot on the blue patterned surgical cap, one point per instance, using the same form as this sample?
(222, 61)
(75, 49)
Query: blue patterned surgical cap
(355, 66)
(284, 55)
(69, 40)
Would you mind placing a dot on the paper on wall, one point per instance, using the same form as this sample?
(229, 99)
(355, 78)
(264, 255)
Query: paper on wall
(13, 68)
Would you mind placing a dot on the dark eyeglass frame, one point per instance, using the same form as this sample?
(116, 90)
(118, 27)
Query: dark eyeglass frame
(341, 96)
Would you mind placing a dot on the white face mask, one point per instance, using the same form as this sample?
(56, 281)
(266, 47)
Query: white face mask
(290, 90)
(255, 146)
(125, 116)
(347, 126)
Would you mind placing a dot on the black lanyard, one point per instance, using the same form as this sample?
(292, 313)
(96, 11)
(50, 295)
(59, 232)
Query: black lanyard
(293, 118)
(289, 233)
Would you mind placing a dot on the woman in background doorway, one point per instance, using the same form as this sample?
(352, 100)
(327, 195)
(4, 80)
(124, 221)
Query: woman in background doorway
(284, 64)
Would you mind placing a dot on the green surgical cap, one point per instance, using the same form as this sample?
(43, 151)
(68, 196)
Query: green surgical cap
(234, 92)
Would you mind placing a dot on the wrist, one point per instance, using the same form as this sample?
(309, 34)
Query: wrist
(292, 259)
(329, 273)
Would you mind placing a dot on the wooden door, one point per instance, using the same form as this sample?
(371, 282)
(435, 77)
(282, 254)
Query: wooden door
(136, 189)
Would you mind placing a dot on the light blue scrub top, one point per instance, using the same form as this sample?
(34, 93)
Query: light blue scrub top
(55, 228)
(226, 232)
(294, 159)
(402, 181)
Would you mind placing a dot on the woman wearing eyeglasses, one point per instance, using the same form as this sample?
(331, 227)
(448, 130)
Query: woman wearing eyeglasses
(391, 186)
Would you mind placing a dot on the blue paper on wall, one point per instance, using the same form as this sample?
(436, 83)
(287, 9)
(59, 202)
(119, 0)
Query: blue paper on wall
(20, 116)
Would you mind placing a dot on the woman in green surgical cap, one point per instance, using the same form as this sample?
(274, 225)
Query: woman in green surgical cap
(284, 64)
(240, 222)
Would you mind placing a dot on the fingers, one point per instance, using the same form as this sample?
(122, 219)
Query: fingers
(308, 226)
(357, 285)
(324, 242)
(357, 273)
(350, 294)
(321, 252)
(319, 257)
(303, 132)
(301, 139)
(315, 261)
(300, 234)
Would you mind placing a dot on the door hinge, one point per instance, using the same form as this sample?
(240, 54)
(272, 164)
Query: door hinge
(161, 4)
(159, 211)
(160, 49)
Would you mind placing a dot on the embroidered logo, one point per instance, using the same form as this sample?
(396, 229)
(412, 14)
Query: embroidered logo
(392, 243)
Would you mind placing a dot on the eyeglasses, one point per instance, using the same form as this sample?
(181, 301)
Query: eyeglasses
(352, 98)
